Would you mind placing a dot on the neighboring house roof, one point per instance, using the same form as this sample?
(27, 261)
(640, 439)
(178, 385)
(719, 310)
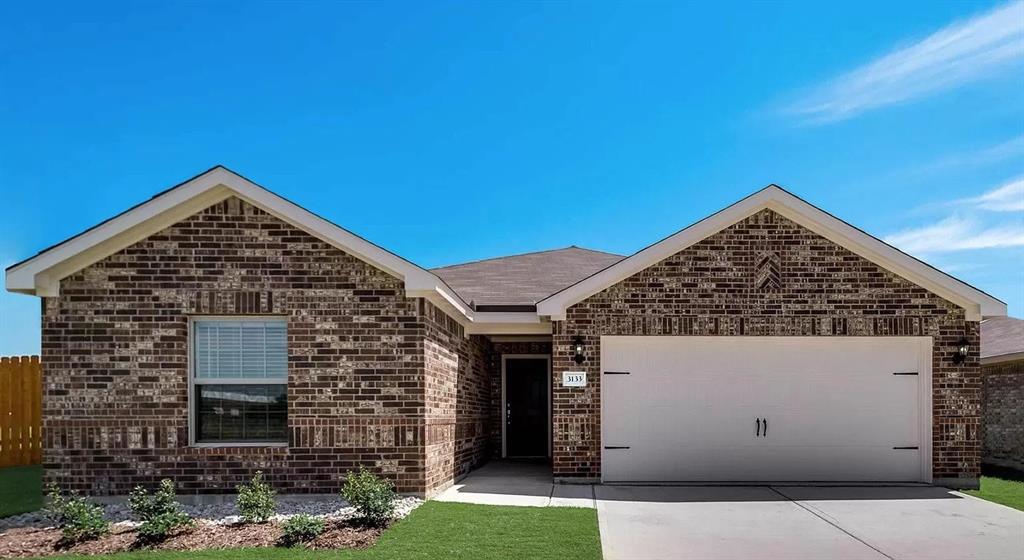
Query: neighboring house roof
(523, 280)
(975, 302)
(1002, 339)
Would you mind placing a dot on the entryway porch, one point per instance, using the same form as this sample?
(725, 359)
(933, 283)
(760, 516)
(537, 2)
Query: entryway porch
(517, 482)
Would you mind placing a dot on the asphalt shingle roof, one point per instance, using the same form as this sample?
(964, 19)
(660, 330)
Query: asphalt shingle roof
(1001, 335)
(523, 279)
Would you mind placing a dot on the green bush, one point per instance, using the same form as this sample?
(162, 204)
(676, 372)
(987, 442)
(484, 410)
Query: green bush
(372, 496)
(77, 519)
(159, 513)
(300, 529)
(256, 500)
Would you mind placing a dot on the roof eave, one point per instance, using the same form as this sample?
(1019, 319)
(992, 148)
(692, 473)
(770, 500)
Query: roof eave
(976, 303)
(40, 275)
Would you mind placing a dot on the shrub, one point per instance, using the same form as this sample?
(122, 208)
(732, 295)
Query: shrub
(159, 513)
(78, 519)
(372, 496)
(300, 529)
(256, 500)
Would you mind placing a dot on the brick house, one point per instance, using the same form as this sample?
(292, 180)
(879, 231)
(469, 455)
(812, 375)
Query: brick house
(1002, 369)
(218, 328)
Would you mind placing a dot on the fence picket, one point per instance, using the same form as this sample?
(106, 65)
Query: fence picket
(20, 411)
(6, 450)
(37, 411)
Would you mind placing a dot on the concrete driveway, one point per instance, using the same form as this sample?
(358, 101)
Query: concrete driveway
(791, 523)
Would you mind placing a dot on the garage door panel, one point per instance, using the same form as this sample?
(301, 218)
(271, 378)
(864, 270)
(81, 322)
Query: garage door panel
(834, 408)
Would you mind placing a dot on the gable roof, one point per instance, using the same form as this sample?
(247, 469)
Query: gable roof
(1002, 339)
(572, 274)
(523, 280)
(41, 274)
(977, 303)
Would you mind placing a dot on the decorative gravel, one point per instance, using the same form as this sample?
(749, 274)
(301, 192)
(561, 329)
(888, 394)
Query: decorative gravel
(225, 513)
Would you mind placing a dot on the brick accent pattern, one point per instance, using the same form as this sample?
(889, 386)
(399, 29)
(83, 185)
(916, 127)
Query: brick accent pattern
(1004, 414)
(115, 350)
(716, 287)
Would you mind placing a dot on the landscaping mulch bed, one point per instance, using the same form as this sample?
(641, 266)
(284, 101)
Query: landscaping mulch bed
(30, 541)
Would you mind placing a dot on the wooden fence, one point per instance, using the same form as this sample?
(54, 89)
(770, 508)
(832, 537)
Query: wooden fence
(21, 411)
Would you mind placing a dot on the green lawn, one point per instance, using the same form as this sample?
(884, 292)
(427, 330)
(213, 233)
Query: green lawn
(438, 530)
(1002, 487)
(434, 530)
(21, 489)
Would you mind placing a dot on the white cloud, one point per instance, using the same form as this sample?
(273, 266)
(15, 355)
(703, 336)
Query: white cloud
(960, 53)
(957, 233)
(1004, 150)
(1007, 198)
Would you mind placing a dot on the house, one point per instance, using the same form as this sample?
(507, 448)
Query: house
(1002, 369)
(218, 328)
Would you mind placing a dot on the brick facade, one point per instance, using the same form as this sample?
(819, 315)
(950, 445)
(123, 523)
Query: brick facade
(375, 378)
(766, 275)
(393, 383)
(458, 393)
(1004, 414)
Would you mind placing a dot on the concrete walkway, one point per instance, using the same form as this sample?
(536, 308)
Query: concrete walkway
(509, 483)
(765, 522)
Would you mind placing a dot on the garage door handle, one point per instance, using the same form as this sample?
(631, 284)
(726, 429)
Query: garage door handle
(758, 427)
(765, 427)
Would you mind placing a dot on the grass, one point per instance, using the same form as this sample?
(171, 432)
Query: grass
(1002, 486)
(447, 530)
(21, 489)
(434, 530)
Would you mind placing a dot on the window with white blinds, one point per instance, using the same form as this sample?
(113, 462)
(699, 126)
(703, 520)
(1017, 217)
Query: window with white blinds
(226, 349)
(239, 381)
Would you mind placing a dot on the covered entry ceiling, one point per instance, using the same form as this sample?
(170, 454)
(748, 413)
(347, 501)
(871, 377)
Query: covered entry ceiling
(765, 408)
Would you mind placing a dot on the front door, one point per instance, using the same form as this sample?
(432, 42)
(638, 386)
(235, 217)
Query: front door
(526, 407)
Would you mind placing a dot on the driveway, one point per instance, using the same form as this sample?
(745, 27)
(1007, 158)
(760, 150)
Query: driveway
(791, 523)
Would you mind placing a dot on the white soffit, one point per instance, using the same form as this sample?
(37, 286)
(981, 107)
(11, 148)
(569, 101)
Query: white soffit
(41, 274)
(977, 304)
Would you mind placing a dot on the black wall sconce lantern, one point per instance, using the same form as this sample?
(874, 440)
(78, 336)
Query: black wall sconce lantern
(963, 347)
(577, 349)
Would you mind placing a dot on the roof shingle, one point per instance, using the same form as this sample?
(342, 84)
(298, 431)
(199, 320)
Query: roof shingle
(1001, 336)
(523, 279)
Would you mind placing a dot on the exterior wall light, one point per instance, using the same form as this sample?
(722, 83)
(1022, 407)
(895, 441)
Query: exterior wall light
(577, 349)
(963, 347)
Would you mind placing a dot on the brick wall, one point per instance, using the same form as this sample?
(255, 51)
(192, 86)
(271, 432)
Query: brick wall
(766, 276)
(458, 389)
(1004, 414)
(115, 351)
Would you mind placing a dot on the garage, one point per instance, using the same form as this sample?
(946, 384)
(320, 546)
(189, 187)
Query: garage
(765, 409)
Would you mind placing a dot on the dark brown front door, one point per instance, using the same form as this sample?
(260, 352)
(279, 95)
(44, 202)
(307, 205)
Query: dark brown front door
(526, 407)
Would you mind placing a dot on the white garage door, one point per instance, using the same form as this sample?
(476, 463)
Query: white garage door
(765, 408)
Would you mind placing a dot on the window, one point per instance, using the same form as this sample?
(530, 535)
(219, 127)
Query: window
(239, 381)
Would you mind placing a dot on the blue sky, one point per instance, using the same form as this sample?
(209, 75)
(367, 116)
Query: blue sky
(451, 131)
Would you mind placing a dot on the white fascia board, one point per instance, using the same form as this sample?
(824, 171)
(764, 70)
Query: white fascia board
(534, 328)
(976, 303)
(319, 227)
(477, 322)
(41, 275)
(555, 305)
